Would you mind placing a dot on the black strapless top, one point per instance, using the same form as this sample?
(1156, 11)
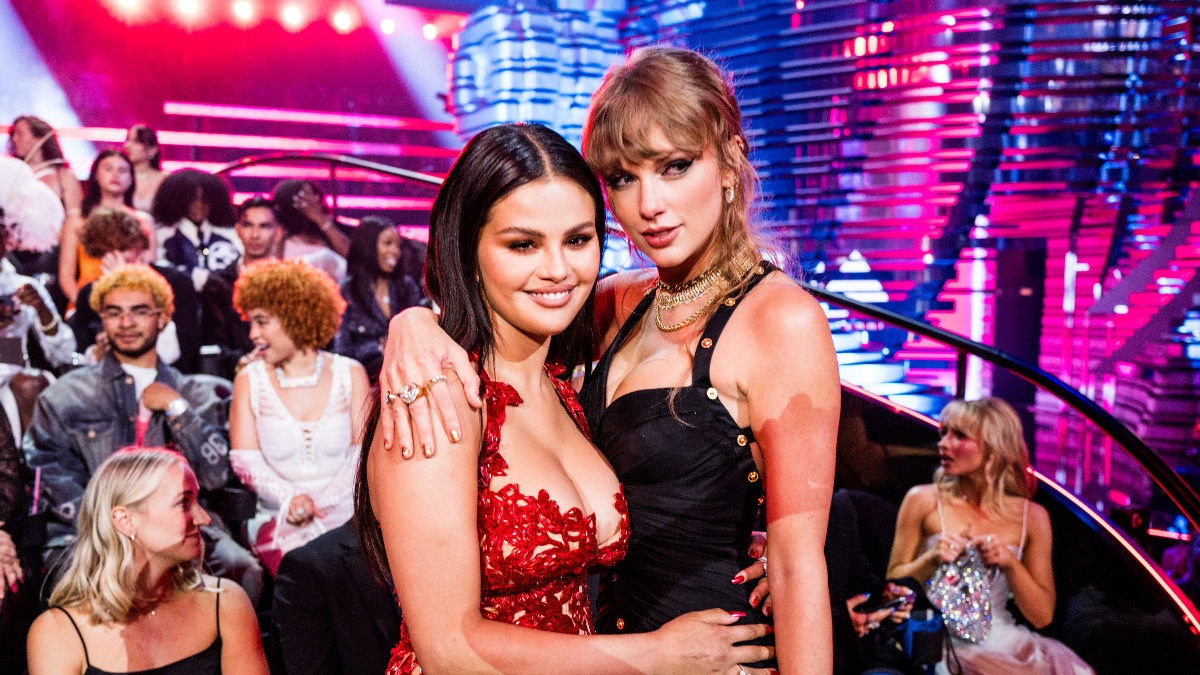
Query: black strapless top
(691, 485)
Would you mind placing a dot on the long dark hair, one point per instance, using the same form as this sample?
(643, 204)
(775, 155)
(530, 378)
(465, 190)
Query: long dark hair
(179, 189)
(91, 195)
(289, 216)
(363, 261)
(494, 163)
(146, 136)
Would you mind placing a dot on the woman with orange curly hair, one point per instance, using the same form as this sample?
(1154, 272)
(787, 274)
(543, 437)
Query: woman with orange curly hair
(294, 425)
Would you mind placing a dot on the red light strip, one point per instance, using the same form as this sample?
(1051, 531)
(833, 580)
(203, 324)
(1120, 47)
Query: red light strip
(1167, 534)
(896, 408)
(279, 143)
(241, 112)
(1185, 605)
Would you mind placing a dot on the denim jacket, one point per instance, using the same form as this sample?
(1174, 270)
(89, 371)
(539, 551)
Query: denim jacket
(91, 412)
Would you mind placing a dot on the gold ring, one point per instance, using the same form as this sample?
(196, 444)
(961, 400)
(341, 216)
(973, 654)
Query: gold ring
(429, 385)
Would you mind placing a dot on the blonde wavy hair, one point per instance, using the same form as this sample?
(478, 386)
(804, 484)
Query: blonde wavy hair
(134, 278)
(685, 96)
(307, 302)
(100, 575)
(995, 426)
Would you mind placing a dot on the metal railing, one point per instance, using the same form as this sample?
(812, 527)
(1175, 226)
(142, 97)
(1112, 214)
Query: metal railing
(1171, 483)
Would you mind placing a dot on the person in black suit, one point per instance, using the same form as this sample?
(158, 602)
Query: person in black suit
(330, 616)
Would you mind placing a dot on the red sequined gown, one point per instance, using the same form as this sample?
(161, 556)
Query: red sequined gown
(541, 582)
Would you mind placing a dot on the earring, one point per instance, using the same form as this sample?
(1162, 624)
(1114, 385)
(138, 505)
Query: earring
(728, 195)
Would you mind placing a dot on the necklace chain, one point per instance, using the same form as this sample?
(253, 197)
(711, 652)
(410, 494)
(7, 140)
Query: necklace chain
(304, 381)
(670, 296)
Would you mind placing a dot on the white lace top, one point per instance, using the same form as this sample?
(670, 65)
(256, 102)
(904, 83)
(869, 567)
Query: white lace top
(316, 457)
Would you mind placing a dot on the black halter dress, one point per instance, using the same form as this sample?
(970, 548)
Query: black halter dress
(691, 484)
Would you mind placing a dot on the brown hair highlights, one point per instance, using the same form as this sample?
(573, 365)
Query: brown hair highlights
(684, 96)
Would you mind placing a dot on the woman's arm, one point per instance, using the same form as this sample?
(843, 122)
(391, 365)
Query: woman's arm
(1031, 581)
(243, 433)
(433, 555)
(241, 646)
(904, 561)
(359, 387)
(68, 256)
(794, 397)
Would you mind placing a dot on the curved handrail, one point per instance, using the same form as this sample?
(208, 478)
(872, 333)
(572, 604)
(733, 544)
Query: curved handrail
(1176, 488)
(324, 157)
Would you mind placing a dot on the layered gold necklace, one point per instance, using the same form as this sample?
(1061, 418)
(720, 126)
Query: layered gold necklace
(711, 282)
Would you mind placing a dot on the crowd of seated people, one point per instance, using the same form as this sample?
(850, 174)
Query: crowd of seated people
(127, 307)
(243, 338)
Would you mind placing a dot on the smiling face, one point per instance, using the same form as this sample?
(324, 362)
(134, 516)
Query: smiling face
(267, 333)
(167, 523)
(114, 174)
(388, 250)
(538, 257)
(669, 205)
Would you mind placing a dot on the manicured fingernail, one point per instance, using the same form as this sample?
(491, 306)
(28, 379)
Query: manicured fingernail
(770, 629)
(766, 610)
(738, 578)
(455, 436)
(754, 553)
(406, 452)
(427, 449)
(753, 600)
(738, 615)
(13, 587)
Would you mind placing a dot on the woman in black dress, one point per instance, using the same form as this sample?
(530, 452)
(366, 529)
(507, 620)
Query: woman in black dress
(718, 387)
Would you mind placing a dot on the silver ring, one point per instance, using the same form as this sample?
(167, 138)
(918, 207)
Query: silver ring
(763, 560)
(410, 393)
(389, 398)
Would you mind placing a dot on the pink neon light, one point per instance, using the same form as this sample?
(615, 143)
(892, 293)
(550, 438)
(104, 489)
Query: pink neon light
(1167, 534)
(364, 202)
(888, 403)
(280, 143)
(1185, 605)
(242, 112)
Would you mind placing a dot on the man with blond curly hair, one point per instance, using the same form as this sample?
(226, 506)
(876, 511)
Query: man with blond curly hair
(131, 398)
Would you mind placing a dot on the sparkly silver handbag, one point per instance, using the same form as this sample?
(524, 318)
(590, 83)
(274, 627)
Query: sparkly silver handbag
(961, 590)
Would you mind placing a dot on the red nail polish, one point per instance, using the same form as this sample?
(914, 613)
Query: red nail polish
(754, 601)
(738, 578)
(766, 611)
(738, 615)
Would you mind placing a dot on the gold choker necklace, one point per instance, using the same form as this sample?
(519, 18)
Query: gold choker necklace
(669, 296)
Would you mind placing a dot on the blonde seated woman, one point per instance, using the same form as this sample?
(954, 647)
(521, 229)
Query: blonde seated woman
(976, 521)
(133, 599)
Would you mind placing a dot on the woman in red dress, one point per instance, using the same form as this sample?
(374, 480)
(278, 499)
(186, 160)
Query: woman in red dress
(484, 547)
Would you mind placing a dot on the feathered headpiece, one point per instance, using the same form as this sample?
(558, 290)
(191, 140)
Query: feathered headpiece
(29, 209)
